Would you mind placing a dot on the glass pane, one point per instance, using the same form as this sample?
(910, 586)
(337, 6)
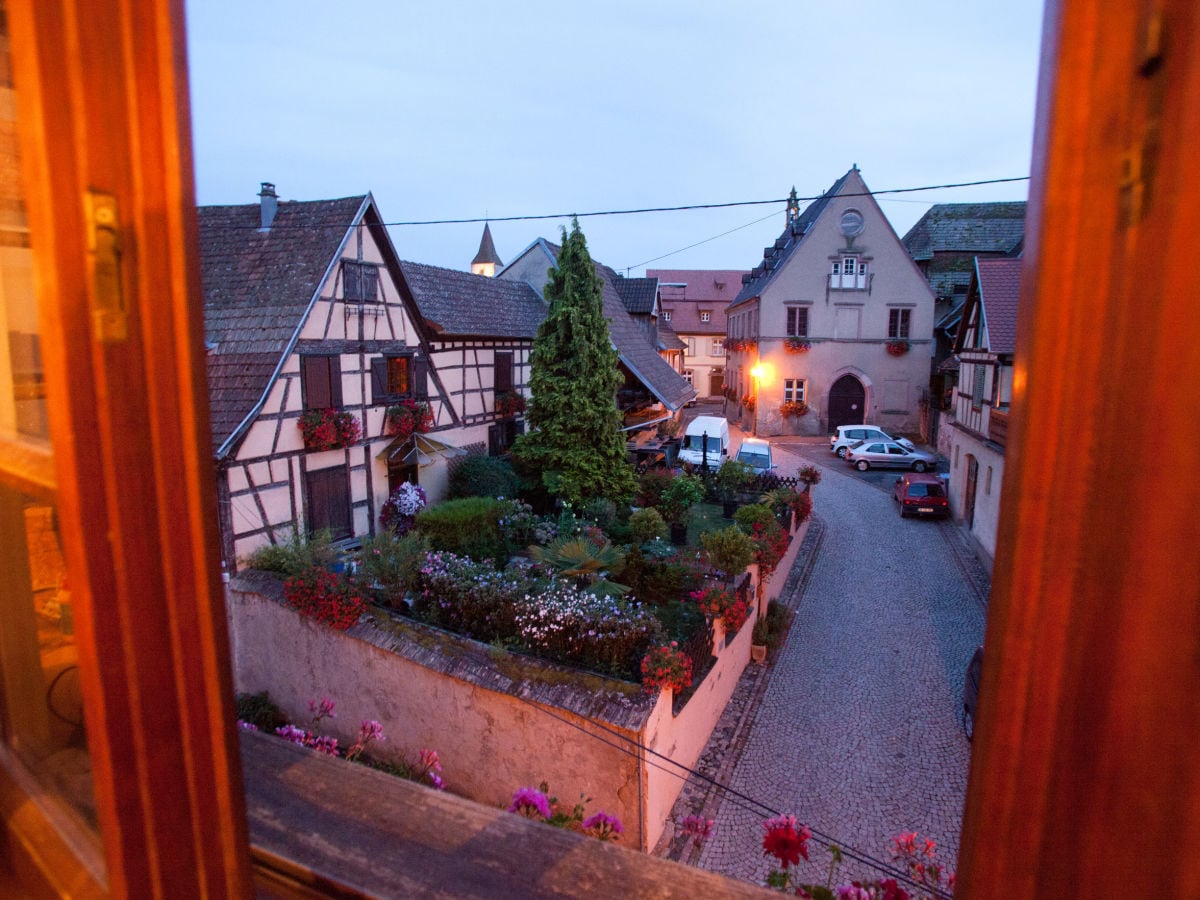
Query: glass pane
(40, 701)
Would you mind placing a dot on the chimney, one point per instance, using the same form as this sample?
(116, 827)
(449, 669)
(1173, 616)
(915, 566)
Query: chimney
(269, 205)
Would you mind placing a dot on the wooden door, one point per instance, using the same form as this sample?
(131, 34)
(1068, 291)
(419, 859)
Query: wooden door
(847, 402)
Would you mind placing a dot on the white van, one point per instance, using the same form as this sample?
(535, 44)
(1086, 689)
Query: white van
(693, 451)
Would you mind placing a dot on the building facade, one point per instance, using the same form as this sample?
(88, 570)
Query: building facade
(834, 326)
(693, 303)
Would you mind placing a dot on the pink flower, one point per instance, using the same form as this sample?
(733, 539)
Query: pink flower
(293, 734)
(370, 730)
(530, 803)
(430, 761)
(603, 826)
(698, 828)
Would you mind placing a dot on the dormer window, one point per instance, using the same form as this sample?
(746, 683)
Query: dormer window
(666, 314)
(848, 273)
(705, 315)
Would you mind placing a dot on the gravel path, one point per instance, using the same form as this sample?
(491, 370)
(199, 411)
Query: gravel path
(854, 727)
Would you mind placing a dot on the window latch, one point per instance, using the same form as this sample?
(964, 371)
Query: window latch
(109, 316)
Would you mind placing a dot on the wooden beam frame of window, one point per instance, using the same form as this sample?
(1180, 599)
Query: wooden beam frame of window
(103, 90)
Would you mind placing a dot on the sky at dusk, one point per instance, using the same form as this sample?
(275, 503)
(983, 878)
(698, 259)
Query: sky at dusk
(460, 110)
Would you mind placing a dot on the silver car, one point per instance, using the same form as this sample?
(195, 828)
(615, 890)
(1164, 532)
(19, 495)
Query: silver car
(848, 435)
(888, 455)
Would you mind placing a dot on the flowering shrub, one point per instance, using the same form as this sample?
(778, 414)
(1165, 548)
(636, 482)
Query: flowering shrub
(572, 625)
(770, 539)
(330, 598)
(407, 417)
(666, 666)
(468, 597)
(796, 345)
(750, 403)
(400, 510)
(897, 348)
(809, 475)
(509, 403)
(329, 429)
(792, 409)
(721, 603)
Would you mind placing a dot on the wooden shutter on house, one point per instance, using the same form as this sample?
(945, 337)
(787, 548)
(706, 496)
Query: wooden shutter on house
(379, 391)
(503, 377)
(360, 281)
(321, 377)
(420, 378)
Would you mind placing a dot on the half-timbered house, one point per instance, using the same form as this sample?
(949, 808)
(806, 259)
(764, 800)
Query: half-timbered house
(309, 319)
(978, 431)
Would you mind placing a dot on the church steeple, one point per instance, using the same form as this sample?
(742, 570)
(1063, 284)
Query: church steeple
(486, 260)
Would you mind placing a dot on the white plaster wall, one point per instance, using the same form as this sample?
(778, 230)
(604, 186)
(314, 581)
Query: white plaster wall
(987, 503)
(245, 514)
(277, 502)
(260, 439)
(237, 478)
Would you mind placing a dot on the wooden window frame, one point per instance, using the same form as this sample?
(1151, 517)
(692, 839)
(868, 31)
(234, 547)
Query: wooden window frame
(321, 368)
(795, 390)
(793, 321)
(356, 286)
(899, 323)
(135, 499)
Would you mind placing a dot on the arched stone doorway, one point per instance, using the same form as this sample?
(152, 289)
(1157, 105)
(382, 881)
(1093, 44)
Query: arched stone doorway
(847, 402)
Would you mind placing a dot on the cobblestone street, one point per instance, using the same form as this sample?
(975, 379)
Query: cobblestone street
(854, 727)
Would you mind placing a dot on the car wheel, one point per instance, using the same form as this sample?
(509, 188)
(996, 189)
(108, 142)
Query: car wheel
(903, 512)
(919, 466)
(841, 452)
(968, 722)
(862, 465)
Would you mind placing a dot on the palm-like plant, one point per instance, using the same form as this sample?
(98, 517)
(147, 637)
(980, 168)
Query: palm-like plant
(585, 561)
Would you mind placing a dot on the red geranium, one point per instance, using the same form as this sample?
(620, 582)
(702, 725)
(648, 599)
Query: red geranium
(786, 840)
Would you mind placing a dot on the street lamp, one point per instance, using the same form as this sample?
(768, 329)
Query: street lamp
(756, 373)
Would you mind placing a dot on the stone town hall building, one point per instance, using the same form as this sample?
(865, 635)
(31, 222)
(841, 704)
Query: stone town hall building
(836, 321)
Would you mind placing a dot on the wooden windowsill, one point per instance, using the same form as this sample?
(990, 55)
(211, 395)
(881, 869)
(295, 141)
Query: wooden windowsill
(324, 825)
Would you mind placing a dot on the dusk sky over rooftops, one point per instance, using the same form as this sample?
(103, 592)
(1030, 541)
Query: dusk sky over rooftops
(459, 110)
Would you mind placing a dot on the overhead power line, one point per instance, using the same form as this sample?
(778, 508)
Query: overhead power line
(692, 206)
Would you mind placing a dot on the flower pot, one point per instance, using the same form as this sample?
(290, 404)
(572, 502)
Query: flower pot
(678, 533)
(758, 653)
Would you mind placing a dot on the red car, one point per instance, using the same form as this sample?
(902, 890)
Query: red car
(921, 495)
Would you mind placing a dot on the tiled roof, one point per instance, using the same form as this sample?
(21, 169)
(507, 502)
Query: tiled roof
(637, 294)
(668, 339)
(257, 287)
(775, 256)
(702, 289)
(999, 292)
(636, 351)
(629, 340)
(970, 227)
(487, 249)
(459, 304)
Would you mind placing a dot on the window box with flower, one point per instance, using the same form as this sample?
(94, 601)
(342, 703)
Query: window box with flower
(897, 348)
(796, 345)
(329, 429)
(509, 403)
(793, 410)
(408, 417)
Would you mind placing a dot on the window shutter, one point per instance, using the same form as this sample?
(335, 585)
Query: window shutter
(494, 441)
(370, 283)
(379, 392)
(329, 502)
(315, 382)
(420, 373)
(503, 376)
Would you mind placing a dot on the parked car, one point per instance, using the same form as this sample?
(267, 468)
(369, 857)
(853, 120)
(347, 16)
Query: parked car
(921, 494)
(888, 455)
(756, 453)
(971, 693)
(846, 435)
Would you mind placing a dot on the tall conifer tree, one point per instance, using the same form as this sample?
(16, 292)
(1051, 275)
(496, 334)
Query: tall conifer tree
(575, 441)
